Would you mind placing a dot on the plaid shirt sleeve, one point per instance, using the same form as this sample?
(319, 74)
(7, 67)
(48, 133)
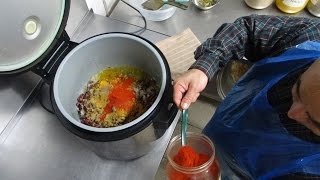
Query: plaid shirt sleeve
(254, 37)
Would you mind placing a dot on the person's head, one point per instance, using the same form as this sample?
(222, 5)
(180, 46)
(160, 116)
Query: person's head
(306, 99)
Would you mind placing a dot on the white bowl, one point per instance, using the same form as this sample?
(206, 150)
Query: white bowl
(165, 12)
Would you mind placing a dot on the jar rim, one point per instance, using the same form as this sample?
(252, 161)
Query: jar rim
(177, 139)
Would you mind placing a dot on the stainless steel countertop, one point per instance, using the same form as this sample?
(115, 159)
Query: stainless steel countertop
(33, 143)
(14, 91)
(94, 24)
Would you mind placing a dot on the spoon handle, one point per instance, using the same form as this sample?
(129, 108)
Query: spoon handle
(184, 124)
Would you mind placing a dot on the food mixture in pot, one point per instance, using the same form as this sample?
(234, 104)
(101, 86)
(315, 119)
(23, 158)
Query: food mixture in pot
(116, 96)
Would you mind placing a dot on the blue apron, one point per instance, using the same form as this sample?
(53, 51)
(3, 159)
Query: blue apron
(248, 129)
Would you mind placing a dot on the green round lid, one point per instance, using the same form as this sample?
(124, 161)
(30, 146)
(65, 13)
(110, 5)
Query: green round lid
(27, 30)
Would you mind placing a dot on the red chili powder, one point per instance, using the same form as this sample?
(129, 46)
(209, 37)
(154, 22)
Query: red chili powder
(121, 96)
(187, 157)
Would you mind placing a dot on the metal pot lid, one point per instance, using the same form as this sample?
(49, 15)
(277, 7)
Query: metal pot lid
(28, 28)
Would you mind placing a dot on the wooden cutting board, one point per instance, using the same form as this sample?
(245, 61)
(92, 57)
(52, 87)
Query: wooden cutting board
(179, 51)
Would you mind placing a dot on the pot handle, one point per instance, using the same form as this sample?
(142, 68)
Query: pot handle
(167, 112)
(47, 68)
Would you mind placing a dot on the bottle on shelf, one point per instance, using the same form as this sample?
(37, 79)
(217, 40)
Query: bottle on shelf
(313, 7)
(291, 6)
(258, 4)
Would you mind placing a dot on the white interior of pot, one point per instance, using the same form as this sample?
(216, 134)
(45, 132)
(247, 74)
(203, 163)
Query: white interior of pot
(96, 54)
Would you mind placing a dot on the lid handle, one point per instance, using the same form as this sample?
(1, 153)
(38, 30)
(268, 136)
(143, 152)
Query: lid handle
(47, 68)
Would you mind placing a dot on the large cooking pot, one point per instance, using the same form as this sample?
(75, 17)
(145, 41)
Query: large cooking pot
(67, 67)
(130, 140)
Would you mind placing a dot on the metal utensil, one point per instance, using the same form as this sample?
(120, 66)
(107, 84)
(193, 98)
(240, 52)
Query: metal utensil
(184, 124)
(157, 4)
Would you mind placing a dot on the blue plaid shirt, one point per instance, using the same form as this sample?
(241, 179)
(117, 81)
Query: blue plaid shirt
(254, 37)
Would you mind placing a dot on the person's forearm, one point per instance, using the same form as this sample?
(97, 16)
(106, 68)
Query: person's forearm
(254, 37)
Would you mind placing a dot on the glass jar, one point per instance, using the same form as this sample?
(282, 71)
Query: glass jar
(210, 170)
(313, 7)
(258, 4)
(291, 6)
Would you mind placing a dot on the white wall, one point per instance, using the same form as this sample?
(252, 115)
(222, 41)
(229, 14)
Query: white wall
(101, 7)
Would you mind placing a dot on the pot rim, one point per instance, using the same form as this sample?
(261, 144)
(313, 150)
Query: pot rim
(92, 40)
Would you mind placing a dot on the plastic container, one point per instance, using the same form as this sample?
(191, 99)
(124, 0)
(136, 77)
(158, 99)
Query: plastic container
(210, 170)
(165, 12)
(291, 6)
(259, 4)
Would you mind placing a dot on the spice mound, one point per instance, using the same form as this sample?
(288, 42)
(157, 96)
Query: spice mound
(116, 96)
(188, 157)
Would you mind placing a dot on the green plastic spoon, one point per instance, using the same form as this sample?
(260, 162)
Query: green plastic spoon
(184, 124)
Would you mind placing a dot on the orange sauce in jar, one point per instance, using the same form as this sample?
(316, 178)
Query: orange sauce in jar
(188, 164)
